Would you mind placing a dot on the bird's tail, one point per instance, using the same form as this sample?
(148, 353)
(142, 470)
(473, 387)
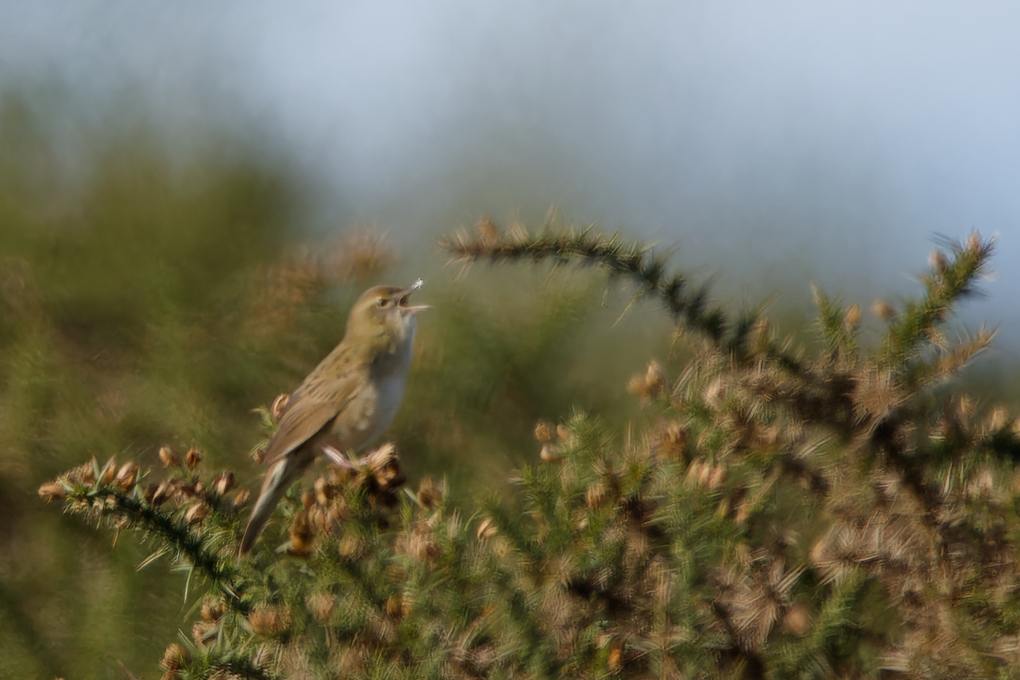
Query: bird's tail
(278, 479)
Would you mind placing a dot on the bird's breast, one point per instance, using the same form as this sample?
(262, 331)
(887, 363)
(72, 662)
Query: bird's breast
(372, 410)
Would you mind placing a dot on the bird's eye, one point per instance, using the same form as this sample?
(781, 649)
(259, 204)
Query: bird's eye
(384, 303)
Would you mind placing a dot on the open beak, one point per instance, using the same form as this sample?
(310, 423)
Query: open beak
(406, 293)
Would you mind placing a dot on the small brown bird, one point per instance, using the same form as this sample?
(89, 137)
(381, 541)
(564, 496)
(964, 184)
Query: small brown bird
(347, 401)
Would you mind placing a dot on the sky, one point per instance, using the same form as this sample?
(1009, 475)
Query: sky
(771, 144)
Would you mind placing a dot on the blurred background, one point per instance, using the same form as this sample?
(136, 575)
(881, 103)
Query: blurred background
(191, 195)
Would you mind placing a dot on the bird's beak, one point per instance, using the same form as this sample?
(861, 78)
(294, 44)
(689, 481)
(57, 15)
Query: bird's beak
(406, 293)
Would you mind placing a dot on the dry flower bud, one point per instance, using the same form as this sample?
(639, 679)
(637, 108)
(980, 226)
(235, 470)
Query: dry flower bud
(937, 261)
(564, 434)
(126, 476)
(52, 491)
(998, 419)
(544, 432)
(162, 493)
(203, 631)
(223, 483)
(323, 491)
(173, 658)
(167, 457)
(279, 405)
(267, 620)
(301, 536)
(321, 606)
(551, 453)
(615, 660)
(211, 611)
(395, 606)
(852, 317)
(429, 493)
(486, 528)
(488, 231)
(385, 467)
(974, 243)
(883, 310)
(196, 513)
(193, 458)
(655, 378)
(717, 476)
(797, 619)
(109, 471)
(241, 497)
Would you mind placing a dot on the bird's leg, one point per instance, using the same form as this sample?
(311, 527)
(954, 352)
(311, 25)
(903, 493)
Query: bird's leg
(337, 456)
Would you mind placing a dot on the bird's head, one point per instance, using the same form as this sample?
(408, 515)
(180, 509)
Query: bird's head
(382, 320)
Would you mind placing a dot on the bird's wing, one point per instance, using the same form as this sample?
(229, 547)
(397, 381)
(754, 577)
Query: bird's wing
(309, 411)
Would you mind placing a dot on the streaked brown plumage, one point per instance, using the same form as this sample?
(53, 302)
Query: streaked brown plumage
(346, 401)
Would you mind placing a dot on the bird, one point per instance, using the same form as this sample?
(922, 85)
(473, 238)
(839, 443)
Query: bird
(347, 401)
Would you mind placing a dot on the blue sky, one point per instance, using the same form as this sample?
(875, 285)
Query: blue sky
(775, 143)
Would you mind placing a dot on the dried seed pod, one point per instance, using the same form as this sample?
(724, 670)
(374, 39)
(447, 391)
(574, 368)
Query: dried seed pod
(486, 528)
(212, 610)
(52, 491)
(167, 457)
(544, 432)
(323, 491)
(126, 476)
(223, 483)
(321, 606)
(551, 453)
(852, 317)
(883, 310)
(385, 467)
(162, 493)
(429, 493)
(797, 619)
(241, 497)
(193, 458)
(279, 406)
(269, 620)
(108, 472)
(301, 536)
(174, 657)
(196, 513)
(488, 231)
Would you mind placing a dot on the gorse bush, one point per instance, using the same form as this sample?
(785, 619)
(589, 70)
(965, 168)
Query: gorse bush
(774, 512)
